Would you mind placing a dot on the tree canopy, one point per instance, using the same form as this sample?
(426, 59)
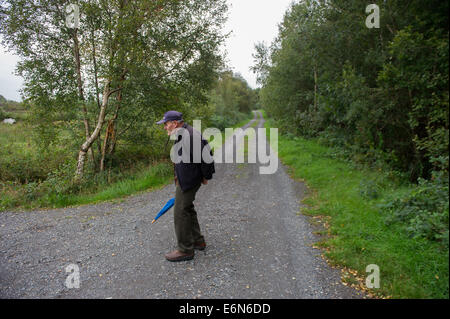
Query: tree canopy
(380, 92)
(118, 70)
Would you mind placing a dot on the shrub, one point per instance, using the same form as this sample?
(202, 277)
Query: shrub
(59, 181)
(369, 189)
(424, 210)
(222, 121)
(3, 115)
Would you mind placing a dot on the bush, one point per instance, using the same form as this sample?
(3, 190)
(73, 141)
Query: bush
(221, 121)
(3, 115)
(59, 181)
(369, 189)
(424, 210)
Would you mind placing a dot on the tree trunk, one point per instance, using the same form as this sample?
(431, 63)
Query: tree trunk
(76, 51)
(97, 92)
(87, 144)
(110, 135)
(112, 144)
(315, 88)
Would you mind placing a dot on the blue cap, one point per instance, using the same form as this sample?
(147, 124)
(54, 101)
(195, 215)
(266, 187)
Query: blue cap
(171, 116)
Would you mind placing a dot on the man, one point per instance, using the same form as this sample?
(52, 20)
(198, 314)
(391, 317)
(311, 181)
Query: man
(189, 175)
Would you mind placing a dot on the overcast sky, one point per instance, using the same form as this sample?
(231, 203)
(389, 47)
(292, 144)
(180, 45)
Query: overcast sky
(250, 21)
(9, 83)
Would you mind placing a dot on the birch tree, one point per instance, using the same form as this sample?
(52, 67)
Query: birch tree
(126, 60)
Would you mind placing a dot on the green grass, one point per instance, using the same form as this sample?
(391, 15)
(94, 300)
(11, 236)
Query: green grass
(153, 177)
(13, 134)
(17, 153)
(18, 197)
(19, 161)
(33, 195)
(357, 234)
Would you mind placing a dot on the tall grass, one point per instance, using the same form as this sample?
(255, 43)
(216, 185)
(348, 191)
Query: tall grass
(150, 178)
(56, 192)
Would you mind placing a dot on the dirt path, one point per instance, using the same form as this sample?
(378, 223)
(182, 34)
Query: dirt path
(259, 246)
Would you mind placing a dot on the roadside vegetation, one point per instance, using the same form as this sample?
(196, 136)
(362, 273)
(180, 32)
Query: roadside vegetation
(363, 120)
(362, 116)
(369, 216)
(86, 129)
(33, 175)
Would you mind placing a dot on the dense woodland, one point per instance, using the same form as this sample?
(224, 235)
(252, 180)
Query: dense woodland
(379, 96)
(380, 92)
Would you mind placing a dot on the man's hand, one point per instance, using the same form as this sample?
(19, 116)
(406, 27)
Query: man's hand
(204, 181)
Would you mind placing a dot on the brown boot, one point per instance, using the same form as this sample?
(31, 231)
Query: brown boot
(200, 245)
(177, 255)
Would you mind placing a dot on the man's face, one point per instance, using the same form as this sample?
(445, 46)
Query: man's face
(170, 126)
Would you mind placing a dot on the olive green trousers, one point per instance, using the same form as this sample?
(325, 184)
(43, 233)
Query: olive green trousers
(187, 229)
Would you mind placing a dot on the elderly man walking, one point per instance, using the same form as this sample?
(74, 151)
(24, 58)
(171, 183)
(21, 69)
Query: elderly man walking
(189, 175)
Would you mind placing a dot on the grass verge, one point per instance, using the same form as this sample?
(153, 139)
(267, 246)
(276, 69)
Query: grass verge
(356, 234)
(57, 196)
(151, 178)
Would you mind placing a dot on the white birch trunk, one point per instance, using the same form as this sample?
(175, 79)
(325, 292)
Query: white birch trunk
(87, 144)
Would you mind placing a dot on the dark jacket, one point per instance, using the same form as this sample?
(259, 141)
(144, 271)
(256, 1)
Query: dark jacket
(191, 174)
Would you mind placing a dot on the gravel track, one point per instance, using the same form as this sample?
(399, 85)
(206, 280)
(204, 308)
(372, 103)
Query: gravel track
(258, 245)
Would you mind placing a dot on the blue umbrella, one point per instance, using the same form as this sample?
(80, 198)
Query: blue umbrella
(166, 207)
